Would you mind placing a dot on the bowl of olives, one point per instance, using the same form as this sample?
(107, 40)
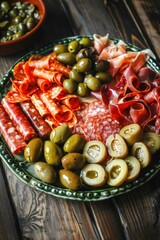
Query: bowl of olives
(19, 22)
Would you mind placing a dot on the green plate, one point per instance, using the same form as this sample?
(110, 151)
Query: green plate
(24, 170)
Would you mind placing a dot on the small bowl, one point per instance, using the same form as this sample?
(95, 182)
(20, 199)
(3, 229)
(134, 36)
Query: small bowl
(13, 46)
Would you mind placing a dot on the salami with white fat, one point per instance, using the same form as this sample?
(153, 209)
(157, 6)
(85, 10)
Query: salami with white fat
(40, 125)
(19, 119)
(12, 137)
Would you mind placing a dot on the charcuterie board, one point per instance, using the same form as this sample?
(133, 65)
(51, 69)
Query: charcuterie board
(24, 170)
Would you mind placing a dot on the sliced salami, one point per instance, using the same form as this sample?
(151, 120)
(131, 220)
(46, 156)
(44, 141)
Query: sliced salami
(19, 119)
(39, 105)
(12, 137)
(40, 125)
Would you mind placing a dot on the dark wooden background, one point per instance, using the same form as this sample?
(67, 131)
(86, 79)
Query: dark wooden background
(28, 214)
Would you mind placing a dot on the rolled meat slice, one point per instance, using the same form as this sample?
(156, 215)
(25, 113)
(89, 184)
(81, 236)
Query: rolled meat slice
(19, 119)
(12, 137)
(39, 105)
(40, 125)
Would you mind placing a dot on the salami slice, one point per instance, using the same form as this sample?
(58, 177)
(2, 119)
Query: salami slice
(19, 119)
(12, 137)
(42, 128)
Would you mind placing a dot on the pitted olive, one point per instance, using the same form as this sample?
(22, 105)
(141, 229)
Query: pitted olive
(45, 172)
(74, 143)
(69, 179)
(60, 134)
(74, 46)
(33, 150)
(52, 153)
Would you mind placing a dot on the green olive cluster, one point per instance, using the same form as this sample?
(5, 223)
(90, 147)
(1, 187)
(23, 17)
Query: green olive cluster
(16, 19)
(87, 73)
(69, 160)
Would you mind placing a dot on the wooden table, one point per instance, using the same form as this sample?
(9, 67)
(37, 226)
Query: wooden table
(28, 214)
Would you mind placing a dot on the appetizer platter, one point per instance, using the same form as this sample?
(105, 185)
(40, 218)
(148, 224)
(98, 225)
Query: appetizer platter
(80, 118)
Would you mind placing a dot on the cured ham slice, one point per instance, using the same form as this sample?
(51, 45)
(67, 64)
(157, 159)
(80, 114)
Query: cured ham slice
(12, 137)
(19, 119)
(39, 124)
(100, 42)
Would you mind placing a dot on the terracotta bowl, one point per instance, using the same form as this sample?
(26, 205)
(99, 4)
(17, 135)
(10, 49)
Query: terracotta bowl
(14, 46)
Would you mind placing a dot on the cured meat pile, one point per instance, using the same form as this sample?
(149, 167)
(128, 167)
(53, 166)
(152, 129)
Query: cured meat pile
(37, 101)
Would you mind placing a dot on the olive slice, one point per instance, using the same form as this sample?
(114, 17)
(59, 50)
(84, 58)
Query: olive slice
(117, 170)
(152, 140)
(94, 175)
(142, 153)
(95, 151)
(134, 167)
(117, 147)
(131, 133)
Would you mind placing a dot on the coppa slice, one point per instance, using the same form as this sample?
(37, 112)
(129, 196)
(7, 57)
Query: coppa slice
(12, 137)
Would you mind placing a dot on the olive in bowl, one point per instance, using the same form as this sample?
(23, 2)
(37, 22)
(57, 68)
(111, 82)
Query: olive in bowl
(19, 24)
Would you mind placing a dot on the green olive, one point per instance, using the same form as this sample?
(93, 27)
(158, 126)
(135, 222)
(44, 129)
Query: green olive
(45, 172)
(84, 65)
(93, 83)
(33, 150)
(18, 19)
(75, 75)
(83, 53)
(52, 153)
(69, 179)
(17, 35)
(101, 65)
(131, 133)
(117, 147)
(67, 58)
(152, 140)
(13, 13)
(75, 143)
(82, 90)
(60, 134)
(60, 48)
(73, 46)
(22, 27)
(86, 42)
(31, 23)
(87, 76)
(142, 153)
(104, 77)
(70, 85)
(5, 6)
(134, 167)
(94, 175)
(73, 161)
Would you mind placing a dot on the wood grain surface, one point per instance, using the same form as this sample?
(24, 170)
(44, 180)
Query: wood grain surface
(28, 214)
